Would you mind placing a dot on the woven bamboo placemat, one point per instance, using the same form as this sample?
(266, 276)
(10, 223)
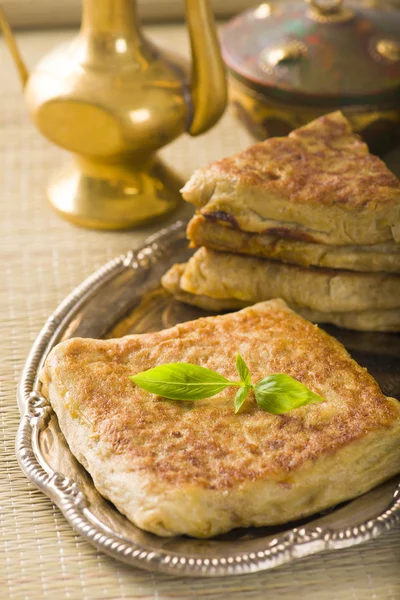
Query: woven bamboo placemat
(53, 13)
(42, 259)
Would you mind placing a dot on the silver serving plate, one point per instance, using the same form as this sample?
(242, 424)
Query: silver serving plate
(124, 297)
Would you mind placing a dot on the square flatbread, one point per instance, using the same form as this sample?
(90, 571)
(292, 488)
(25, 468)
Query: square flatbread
(318, 184)
(199, 469)
(214, 234)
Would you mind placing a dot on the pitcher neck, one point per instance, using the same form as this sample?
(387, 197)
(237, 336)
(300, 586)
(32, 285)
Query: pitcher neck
(110, 17)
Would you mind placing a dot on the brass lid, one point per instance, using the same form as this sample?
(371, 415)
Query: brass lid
(320, 51)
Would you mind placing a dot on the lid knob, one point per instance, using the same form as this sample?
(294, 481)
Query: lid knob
(329, 11)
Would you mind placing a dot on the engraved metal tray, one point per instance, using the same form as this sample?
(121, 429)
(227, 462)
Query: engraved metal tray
(124, 296)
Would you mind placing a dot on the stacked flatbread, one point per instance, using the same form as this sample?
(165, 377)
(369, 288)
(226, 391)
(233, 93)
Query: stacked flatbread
(312, 218)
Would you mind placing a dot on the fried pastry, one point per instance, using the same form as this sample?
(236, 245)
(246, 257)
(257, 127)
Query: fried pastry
(319, 184)
(203, 231)
(367, 320)
(223, 275)
(219, 281)
(200, 469)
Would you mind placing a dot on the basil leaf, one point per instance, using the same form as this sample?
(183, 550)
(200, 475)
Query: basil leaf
(240, 397)
(280, 393)
(181, 381)
(243, 370)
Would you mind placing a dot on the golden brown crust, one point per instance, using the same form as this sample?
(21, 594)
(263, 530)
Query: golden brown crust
(206, 443)
(217, 235)
(322, 163)
(311, 184)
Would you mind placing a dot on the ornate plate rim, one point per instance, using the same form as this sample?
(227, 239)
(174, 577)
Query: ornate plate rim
(65, 493)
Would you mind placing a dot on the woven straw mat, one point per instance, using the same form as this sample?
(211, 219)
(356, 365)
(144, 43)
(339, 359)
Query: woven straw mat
(42, 260)
(50, 13)
(53, 13)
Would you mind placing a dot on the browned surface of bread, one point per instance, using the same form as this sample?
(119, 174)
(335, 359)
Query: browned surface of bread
(318, 184)
(205, 442)
(322, 163)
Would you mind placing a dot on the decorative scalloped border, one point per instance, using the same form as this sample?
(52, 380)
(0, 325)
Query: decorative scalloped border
(291, 545)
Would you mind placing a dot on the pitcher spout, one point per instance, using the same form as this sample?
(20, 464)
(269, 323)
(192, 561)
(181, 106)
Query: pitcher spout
(208, 79)
(13, 48)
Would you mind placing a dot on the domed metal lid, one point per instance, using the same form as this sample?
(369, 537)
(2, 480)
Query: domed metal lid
(320, 51)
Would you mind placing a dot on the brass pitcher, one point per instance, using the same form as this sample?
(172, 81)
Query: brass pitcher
(112, 99)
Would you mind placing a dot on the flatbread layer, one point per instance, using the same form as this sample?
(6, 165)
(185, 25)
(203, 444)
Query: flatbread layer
(199, 469)
(222, 236)
(225, 275)
(318, 184)
(366, 320)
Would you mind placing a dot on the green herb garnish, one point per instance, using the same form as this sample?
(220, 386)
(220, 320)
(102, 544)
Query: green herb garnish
(275, 394)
